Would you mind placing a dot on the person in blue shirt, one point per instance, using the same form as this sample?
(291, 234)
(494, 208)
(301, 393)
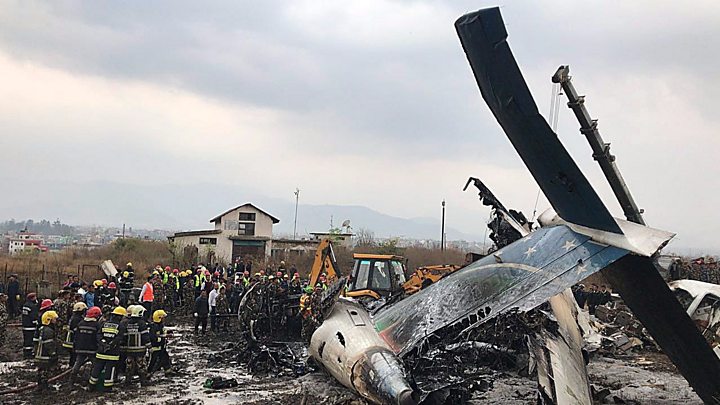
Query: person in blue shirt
(90, 296)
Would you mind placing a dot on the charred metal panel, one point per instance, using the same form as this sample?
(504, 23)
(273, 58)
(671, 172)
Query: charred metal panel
(565, 363)
(503, 87)
(522, 275)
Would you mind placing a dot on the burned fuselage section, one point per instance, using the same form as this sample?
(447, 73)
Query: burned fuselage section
(348, 347)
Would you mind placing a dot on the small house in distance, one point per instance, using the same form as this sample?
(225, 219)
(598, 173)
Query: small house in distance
(245, 230)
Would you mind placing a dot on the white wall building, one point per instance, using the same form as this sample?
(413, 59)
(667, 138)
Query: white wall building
(242, 231)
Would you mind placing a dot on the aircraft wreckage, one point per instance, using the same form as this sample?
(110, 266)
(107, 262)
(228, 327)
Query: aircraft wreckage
(367, 347)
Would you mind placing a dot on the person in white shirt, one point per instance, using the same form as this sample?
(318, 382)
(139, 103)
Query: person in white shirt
(212, 301)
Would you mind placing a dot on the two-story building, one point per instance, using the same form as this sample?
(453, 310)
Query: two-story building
(242, 231)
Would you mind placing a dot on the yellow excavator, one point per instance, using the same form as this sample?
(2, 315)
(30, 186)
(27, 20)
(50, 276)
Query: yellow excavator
(375, 275)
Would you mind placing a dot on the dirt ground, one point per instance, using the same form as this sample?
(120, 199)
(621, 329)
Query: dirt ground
(638, 378)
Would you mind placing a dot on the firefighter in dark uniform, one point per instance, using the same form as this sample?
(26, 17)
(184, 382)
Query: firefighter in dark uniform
(86, 340)
(29, 324)
(159, 356)
(46, 351)
(110, 338)
(137, 342)
(78, 312)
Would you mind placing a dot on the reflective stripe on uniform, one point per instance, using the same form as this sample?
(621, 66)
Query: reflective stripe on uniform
(109, 330)
(109, 382)
(107, 357)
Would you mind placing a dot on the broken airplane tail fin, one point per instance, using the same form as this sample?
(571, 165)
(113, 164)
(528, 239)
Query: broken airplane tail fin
(483, 37)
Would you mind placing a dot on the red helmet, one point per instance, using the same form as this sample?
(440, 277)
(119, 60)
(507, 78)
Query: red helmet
(278, 274)
(112, 286)
(216, 274)
(31, 296)
(93, 312)
(104, 281)
(176, 271)
(167, 268)
(45, 304)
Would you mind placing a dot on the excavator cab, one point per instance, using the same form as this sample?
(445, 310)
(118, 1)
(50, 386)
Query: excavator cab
(376, 275)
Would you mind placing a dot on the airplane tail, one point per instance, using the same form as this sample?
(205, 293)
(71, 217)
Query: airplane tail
(483, 37)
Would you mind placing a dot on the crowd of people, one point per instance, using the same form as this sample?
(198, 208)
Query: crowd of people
(591, 297)
(705, 269)
(97, 328)
(114, 326)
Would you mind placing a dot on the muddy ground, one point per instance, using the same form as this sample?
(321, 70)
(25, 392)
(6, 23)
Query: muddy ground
(637, 378)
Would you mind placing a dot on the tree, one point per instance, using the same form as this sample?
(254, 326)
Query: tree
(364, 238)
(390, 247)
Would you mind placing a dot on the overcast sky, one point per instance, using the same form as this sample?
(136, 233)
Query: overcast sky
(368, 103)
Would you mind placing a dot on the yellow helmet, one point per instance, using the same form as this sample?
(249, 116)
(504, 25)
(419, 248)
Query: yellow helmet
(159, 315)
(97, 283)
(79, 307)
(48, 317)
(128, 265)
(119, 311)
(126, 274)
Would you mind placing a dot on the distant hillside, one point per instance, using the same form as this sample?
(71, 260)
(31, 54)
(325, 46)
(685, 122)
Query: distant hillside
(176, 207)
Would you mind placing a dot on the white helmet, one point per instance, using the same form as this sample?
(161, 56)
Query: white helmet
(136, 311)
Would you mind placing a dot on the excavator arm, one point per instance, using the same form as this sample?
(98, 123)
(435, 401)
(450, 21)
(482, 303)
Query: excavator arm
(325, 262)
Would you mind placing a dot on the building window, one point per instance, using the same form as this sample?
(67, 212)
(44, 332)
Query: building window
(247, 216)
(208, 241)
(247, 229)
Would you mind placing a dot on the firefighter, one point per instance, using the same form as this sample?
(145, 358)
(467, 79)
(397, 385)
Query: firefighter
(159, 357)
(30, 317)
(110, 338)
(136, 344)
(86, 340)
(46, 351)
(68, 343)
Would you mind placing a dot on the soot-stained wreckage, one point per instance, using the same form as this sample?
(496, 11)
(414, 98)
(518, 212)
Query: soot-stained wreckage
(364, 350)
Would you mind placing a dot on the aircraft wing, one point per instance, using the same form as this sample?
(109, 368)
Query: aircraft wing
(522, 275)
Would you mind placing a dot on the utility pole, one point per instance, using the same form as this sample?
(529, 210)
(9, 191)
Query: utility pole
(123, 232)
(442, 230)
(297, 198)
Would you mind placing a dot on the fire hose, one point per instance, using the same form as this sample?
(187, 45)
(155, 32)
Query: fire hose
(34, 385)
